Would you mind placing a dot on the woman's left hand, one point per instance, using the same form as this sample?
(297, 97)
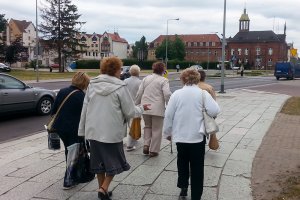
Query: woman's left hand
(147, 106)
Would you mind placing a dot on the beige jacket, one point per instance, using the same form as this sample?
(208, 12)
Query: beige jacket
(208, 88)
(154, 90)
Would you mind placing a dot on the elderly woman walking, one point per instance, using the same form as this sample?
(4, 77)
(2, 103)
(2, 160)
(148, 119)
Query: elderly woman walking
(184, 124)
(107, 107)
(154, 90)
(132, 84)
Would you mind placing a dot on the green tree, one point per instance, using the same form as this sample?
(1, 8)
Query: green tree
(179, 48)
(15, 52)
(176, 49)
(3, 23)
(140, 49)
(62, 26)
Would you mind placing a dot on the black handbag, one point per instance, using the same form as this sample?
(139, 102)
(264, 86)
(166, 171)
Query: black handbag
(84, 174)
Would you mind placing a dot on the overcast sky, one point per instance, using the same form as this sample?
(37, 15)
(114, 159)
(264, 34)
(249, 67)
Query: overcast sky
(134, 18)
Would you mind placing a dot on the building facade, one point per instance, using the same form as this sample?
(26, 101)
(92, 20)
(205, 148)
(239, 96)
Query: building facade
(26, 32)
(198, 48)
(98, 46)
(256, 49)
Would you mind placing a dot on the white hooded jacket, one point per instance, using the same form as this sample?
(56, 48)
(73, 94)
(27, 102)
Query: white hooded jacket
(107, 107)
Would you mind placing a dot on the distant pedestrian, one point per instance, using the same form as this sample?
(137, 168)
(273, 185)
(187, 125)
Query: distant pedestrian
(154, 90)
(67, 121)
(183, 124)
(133, 84)
(177, 67)
(107, 107)
(242, 70)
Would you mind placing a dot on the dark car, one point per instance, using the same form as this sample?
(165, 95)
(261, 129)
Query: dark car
(4, 68)
(125, 72)
(287, 70)
(16, 96)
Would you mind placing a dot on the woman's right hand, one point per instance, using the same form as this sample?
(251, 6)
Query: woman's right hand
(147, 106)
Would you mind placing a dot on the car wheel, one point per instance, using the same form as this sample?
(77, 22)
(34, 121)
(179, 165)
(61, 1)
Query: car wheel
(44, 106)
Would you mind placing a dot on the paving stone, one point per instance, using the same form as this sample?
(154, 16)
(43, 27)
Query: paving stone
(129, 192)
(211, 176)
(233, 138)
(225, 147)
(165, 184)
(55, 191)
(242, 155)
(235, 188)
(143, 175)
(209, 193)
(85, 195)
(24, 191)
(159, 197)
(163, 159)
(53, 174)
(172, 166)
(34, 169)
(215, 159)
(8, 183)
(237, 168)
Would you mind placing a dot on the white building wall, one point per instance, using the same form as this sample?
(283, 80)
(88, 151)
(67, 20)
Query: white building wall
(119, 49)
(29, 40)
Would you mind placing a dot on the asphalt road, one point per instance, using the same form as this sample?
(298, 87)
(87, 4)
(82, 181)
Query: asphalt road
(25, 124)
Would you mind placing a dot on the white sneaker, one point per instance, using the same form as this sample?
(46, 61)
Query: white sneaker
(130, 148)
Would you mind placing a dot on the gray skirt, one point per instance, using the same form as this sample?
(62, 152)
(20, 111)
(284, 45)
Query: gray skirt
(108, 158)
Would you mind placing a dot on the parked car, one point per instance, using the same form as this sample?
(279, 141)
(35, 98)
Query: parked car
(235, 68)
(125, 72)
(16, 96)
(287, 70)
(4, 68)
(197, 67)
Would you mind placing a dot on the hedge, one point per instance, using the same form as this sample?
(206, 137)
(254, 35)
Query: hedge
(146, 64)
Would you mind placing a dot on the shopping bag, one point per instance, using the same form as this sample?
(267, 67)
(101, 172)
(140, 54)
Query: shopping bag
(70, 178)
(135, 128)
(83, 173)
(213, 142)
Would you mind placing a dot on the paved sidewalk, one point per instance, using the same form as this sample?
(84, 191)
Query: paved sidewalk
(28, 170)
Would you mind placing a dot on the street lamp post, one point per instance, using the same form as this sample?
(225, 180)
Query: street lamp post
(208, 51)
(223, 50)
(167, 40)
(36, 42)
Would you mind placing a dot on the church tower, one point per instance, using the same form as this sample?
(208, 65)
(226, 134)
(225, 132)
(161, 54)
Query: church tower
(244, 22)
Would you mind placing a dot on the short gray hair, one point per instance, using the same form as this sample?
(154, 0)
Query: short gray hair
(134, 70)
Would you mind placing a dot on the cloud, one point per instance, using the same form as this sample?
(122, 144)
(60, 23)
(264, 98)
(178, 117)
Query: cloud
(135, 18)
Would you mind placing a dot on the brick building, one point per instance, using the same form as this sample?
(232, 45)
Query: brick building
(198, 47)
(256, 49)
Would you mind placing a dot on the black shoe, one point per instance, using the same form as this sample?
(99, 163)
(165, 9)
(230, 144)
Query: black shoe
(183, 192)
(103, 196)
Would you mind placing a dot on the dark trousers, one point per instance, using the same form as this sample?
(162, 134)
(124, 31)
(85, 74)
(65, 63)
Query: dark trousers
(68, 139)
(190, 161)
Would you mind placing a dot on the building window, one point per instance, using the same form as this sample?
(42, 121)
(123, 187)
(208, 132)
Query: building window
(198, 44)
(86, 53)
(96, 45)
(270, 51)
(246, 60)
(270, 63)
(216, 53)
(257, 51)
(246, 51)
(92, 45)
(94, 39)
(232, 52)
(192, 44)
(89, 53)
(240, 52)
(83, 39)
(213, 44)
(201, 44)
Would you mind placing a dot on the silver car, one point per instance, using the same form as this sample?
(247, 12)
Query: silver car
(16, 96)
